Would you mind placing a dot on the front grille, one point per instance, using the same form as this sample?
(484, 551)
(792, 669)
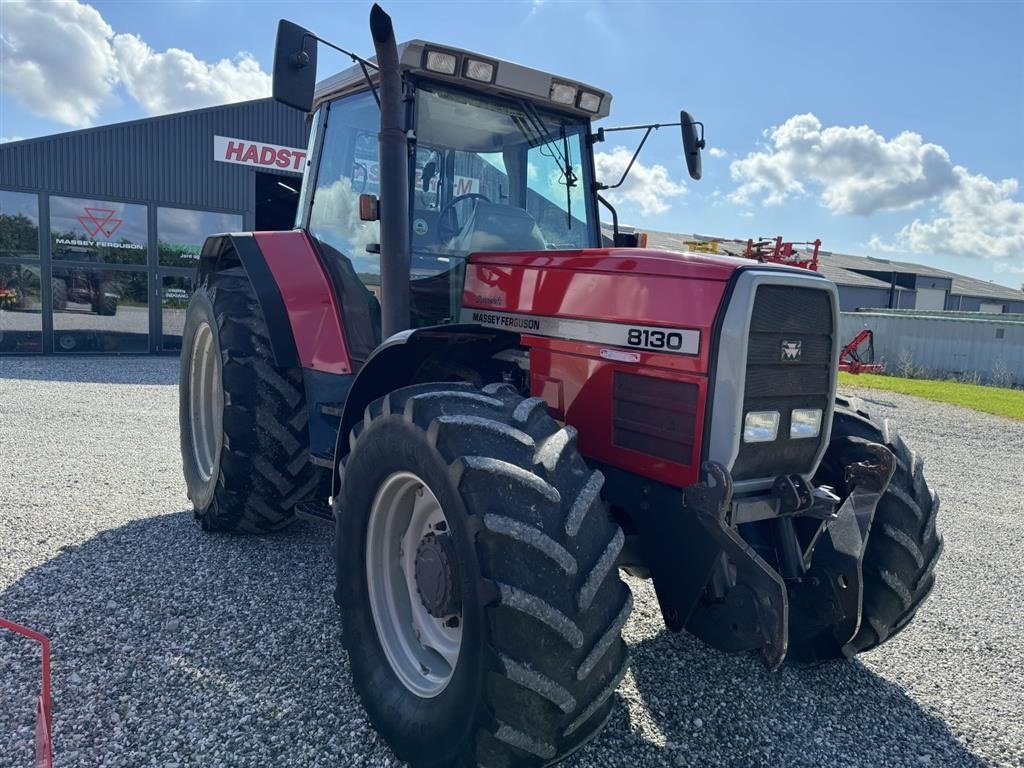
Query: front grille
(782, 316)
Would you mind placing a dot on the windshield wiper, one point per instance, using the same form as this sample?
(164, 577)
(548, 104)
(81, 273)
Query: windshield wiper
(562, 157)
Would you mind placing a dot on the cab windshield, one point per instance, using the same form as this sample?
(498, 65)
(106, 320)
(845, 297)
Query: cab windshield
(496, 176)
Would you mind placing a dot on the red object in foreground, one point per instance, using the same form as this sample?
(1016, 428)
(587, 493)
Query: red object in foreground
(850, 359)
(44, 724)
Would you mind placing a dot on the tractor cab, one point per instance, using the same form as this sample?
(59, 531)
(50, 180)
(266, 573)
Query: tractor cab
(499, 160)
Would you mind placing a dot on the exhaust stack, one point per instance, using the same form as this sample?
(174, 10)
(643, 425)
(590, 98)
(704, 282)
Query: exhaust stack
(394, 179)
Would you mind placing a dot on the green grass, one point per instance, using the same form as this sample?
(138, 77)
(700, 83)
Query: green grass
(1001, 402)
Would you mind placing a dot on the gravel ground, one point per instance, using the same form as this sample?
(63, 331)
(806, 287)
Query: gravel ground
(176, 648)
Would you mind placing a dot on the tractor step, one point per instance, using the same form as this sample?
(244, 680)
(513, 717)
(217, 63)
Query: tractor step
(318, 511)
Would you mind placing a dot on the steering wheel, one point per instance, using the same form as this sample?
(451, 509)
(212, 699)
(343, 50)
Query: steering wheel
(448, 225)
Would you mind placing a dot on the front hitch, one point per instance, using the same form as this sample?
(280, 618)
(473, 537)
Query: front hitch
(828, 599)
(754, 612)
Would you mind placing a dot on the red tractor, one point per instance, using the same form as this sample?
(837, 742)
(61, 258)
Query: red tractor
(498, 413)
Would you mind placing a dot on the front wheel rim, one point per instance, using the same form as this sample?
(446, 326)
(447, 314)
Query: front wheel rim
(421, 649)
(206, 402)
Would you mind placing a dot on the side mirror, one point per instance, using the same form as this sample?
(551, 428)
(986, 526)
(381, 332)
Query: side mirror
(692, 144)
(294, 66)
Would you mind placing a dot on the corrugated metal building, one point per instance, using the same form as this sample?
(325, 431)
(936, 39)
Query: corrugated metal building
(943, 344)
(100, 228)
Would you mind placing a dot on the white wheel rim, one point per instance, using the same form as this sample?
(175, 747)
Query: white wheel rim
(421, 649)
(206, 402)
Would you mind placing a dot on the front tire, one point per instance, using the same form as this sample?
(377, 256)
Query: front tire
(243, 421)
(903, 543)
(531, 569)
(59, 290)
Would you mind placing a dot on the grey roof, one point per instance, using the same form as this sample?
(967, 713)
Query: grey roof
(509, 78)
(962, 285)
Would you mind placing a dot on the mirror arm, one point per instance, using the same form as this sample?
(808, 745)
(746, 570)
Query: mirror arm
(636, 154)
(363, 63)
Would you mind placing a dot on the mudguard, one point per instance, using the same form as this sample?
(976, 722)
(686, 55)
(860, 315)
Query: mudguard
(397, 362)
(294, 292)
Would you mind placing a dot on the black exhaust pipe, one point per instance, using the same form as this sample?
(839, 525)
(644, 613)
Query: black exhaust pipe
(394, 179)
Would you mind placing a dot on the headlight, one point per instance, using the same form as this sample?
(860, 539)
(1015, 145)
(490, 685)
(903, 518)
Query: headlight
(591, 102)
(805, 422)
(481, 71)
(761, 426)
(563, 93)
(438, 61)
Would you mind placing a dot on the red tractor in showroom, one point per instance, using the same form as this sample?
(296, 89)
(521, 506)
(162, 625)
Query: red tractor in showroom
(499, 410)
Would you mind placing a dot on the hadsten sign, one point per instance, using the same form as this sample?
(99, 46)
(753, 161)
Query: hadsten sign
(245, 152)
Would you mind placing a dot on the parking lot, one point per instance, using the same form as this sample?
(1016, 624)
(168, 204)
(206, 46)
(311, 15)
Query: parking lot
(177, 648)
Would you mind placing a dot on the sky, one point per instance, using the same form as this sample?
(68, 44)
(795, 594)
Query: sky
(887, 129)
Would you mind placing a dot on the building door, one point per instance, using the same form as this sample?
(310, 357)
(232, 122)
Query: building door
(931, 299)
(277, 199)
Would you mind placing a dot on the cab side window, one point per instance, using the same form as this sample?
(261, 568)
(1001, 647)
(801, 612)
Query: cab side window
(348, 167)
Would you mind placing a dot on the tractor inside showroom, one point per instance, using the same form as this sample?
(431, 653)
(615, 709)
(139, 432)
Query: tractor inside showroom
(499, 411)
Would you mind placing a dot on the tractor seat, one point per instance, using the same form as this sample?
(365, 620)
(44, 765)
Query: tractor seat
(495, 227)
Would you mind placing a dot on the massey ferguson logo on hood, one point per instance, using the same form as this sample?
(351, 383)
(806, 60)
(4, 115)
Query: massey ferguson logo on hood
(243, 152)
(791, 351)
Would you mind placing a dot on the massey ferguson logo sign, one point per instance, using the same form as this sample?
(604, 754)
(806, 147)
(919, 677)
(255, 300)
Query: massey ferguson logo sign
(791, 351)
(99, 221)
(243, 152)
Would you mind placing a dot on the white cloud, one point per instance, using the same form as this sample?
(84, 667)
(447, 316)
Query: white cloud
(176, 80)
(63, 61)
(978, 218)
(857, 169)
(878, 245)
(56, 60)
(648, 186)
(717, 152)
(5, 139)
(1002, 267)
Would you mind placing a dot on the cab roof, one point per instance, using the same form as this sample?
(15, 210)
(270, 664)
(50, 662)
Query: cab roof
(509, 79)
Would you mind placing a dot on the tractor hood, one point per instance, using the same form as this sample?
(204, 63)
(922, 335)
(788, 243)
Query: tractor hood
(643, 261)
(608, 288)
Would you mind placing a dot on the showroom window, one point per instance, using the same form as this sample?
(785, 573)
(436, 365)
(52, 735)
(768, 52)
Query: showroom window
(99, 310)
(175, 292)
(95, 231)
(19, 225)
(99, 284)
(21, 308)
(181, 233)
(21, 302)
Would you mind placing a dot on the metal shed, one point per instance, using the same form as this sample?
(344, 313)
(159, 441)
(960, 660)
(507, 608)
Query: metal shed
(940, 344)
(100, 228)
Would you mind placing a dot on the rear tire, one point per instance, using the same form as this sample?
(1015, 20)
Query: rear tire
(244, 439)
(541, 605)
(903, 543)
